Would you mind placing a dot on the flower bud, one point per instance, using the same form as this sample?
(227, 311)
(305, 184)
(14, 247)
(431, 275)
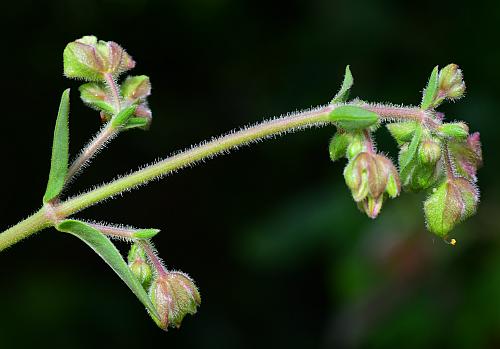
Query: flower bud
(370, 176)
(174, 295)
(137, 262)
(467, 156)
(423, 167)
(96, 95)
(91, 60)
(356, 145)
(451, 84)
(451, 202)
(454, 130)
(429, 151)
(136, 88)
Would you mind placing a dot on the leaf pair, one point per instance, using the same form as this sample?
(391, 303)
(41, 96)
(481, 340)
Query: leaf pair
(91, 236)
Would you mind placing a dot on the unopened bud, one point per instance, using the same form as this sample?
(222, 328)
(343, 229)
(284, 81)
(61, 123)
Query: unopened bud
(136, 88)
(137, 262)
(429, 151)
(467, 156)
(454, 130)
(451, 84)
(174, 295)
(451, 202)
(370, 176)
(96, 96)
(90, 59)
(356, 145)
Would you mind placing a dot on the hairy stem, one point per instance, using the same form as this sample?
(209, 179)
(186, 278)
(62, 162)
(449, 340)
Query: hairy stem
(115, 93)
(114, 232)
(315, 117)
(25, 228)
(148, 247)
(447, 162)
(104, 136)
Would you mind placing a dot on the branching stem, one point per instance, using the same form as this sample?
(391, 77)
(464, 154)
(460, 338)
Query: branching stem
(104, 136)
(266, 129)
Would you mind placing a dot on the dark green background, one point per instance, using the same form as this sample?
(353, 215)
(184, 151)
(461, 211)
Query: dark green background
(276, 245)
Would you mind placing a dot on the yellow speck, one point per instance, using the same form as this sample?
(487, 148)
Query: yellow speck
(453, 242)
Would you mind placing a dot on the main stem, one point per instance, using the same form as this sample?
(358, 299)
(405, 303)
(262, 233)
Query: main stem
(41, 220)
(316, 117)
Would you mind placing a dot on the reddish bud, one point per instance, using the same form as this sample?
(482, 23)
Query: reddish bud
(174, 295)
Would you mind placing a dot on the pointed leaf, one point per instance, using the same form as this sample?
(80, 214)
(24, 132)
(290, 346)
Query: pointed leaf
(123, 116)
(343, 93)
(105, 248)
(60, 149)
(350, 117)
(409, 156)
(146, 233)
(431, 91)
(136, 122)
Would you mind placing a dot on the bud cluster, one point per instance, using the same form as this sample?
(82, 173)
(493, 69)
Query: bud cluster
(172, 293)
(101, 63)
(434, 155)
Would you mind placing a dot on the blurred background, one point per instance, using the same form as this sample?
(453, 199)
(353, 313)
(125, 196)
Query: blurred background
(281, 254)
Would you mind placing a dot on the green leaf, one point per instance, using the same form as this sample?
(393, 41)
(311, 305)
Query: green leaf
(60, 151)
(343, 93)
(402, 131)
(352, 118)
(105, 248)
(136, 122)
(431, 91)
(338, 145)
(146, 233)
(123, 116)
(407, 158)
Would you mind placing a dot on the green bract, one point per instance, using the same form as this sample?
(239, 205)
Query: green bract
(431, 91)
(343, 93)
(350, 117)
(338, 145)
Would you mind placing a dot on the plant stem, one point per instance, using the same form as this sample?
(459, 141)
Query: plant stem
(447, 162)
(115, 93)
(148, 247)
(314, 117)
(104, 136)
(25, 228)
(114, 232)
